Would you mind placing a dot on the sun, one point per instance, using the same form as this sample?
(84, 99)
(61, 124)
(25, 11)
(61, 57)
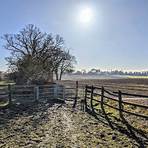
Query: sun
(86, 15)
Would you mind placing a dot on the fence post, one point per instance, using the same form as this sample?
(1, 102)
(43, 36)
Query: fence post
(77, 86)
(64, 93)
(92, 91)
(76, 96)
(102, 98)
(10, 94)
(103, 110)
(55, 94)
(85, 98)
(36, 93)
(120, 104)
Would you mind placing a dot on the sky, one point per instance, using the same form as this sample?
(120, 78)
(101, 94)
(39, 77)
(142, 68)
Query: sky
(112, 34)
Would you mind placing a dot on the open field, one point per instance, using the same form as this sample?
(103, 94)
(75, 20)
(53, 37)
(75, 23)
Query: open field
(122, 81)
(89, 76)
(131, 85)
(138, 77)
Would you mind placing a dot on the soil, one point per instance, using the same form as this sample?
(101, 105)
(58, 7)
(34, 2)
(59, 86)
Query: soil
(46, 125)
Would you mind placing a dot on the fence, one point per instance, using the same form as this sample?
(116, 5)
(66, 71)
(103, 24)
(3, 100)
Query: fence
(29, 93)
(93, 96)
(126, 85)
(98, 95)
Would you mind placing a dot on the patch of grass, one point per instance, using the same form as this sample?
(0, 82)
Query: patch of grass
(135, 121)
(138, 77)
(3, 103)
(6, 82)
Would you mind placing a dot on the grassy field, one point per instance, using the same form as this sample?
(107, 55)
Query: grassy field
(130, 85)
(138, 77)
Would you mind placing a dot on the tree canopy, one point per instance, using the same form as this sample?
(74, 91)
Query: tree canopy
(35, 55)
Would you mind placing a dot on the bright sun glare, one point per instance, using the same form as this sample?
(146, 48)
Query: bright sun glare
(86, 15)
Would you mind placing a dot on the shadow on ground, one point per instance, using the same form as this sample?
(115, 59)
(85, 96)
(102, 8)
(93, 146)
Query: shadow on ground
(32, 109)
(123, 126)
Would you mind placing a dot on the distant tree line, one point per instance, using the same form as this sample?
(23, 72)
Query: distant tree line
(112, 72)
(37, 56)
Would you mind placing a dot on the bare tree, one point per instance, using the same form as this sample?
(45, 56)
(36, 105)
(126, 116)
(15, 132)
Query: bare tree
(34, 55)
(66, 65)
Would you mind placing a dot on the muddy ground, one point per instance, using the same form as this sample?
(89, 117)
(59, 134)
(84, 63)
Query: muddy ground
(52, 125)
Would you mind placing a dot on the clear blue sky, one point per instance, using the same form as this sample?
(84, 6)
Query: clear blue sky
(116, 38)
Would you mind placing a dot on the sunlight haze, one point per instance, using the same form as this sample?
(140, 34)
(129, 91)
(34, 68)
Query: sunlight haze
(104, 34)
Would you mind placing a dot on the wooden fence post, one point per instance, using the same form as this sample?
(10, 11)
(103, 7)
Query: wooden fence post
(85, 98)
(64, 93)
(77, 86)
(120, 104)
(103, 110)
(76, 95)
(92, 91)
(102, 98)
(10, 94)
(36, 93)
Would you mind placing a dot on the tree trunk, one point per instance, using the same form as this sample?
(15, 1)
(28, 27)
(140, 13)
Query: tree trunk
(61, 73)
(50, 79)
(57, 76)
